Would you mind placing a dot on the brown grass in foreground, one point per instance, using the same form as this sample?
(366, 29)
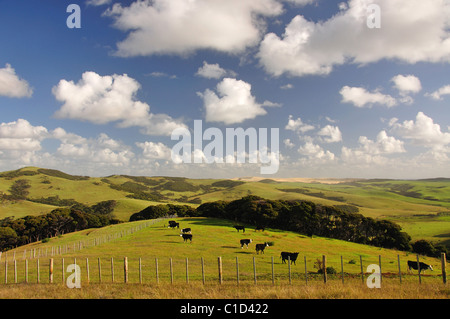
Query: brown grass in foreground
(314, 290)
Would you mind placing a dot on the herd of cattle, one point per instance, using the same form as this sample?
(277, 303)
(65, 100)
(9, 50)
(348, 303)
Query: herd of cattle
(186, 233)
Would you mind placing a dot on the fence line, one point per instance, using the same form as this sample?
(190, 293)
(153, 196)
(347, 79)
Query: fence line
(135, 270)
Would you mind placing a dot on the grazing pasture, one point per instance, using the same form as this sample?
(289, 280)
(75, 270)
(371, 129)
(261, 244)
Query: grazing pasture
(158, 258)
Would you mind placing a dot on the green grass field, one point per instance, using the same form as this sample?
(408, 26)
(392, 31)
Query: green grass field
(146, 241)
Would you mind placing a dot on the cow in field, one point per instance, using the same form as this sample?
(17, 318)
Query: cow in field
(238, 228)
(172, 222)
(173, 225)
(245, 242)
(186, 230)
(261, 247)
(423, 266)
(288, 256)
(261, 228)
(187, 237)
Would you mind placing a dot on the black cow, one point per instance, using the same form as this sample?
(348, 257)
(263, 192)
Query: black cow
(186, 237)
(186, 230)
(261, 228)
(245, 242)
(261, 247)
(288, 256)
(238, 228)
(423, 266)
(173, 225)
(172, 222)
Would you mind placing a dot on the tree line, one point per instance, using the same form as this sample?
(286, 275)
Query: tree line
(28, 229)
(301, 216)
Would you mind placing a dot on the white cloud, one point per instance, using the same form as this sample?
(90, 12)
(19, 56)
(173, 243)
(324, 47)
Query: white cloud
(360, 97)
(315, 151)
(211, 71)
(288, 143)
(13, 86)
(233, 104)
(184, 26)
(331, 134)
(406, 84)
(97, 2)
(437, 95)
(411, 31)
(298, 125)
(384, 144)
(423, 132)
(287, 86)
(151, 150)
(104, 99)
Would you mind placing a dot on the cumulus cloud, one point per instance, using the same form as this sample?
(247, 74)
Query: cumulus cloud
(406, 84)
(297, 125)
(211, 71)
(184, 26)
(315, 151)
(423, 132)
(331, 134)
(104, 99)
(234, 102)
(151, 150)
(13, 86)
(360, 97)
(437, 95)
(411, 31)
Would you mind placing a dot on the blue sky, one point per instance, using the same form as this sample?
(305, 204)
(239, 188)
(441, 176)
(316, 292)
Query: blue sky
(349, 100)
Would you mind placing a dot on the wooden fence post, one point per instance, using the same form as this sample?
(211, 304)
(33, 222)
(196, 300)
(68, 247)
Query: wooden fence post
(37, 269)
(157, 270)
(50, 271)
(379, 263)
(15, 271)
(125, 269)
(6, 271)
(254, 269)
(203, 271)
(140, 270)
(399, 268)
(444, 272)
(289, 267)
(26, 270)
(306, 273)
(342, 269)
(99, 270)
(324, 263)
(219, 261)
(187, 270)
(171, 271)
(87, 270)
(237, 270)
(273, 273)
(112, 269)
(63, 272)
(362, 271)
(418, 269)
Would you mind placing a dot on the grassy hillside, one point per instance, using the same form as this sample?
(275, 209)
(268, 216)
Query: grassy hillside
(421, 206)
(212, 238)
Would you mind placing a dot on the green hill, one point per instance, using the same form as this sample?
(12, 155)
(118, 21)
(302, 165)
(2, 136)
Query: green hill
(420, 206)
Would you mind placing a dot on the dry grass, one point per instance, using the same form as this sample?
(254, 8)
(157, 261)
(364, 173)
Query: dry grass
(314, 290)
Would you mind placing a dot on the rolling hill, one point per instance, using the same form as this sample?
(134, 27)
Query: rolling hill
(421, 207)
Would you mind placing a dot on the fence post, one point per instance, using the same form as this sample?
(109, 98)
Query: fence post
(362, 271)
(187, 270)
(254, 269)
(324, 262)
(342, 269)
(289, 267)
(125, 269)
(237, 270)
(444, 272)
(87, 270)
(219, 261)
(99, 270)
(379, 263)
(418, 269)
(399, 268)
(112, 269)
(273, 274)
(6, 271)
(50, 268)
(26, 270)
(63, 271)
(140, 270)
(203, 271)
(15, 271)
(37, 269)
(157, 272)
(171, 271)
(306, 273)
